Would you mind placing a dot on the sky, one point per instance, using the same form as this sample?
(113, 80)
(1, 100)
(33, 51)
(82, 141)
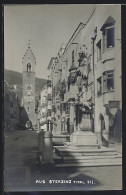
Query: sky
(46, 26)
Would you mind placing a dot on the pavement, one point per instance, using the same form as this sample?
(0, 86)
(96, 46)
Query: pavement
(23, 171)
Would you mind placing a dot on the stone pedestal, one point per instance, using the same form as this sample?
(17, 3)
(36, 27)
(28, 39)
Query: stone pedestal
(83, 139)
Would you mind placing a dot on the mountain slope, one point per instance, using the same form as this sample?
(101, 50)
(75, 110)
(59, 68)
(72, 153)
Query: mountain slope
(16, 78)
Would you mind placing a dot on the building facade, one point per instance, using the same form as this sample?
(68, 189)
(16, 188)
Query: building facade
(45, 107)
(86, 80)
(107, 51)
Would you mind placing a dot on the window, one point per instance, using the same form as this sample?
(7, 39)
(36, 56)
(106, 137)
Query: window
(69, 83)
(29, 87)
(99, 86)
(67, 108)
(108, 38)
(53, 108)
(73, 57)
(64, 106)
(108, 81)
(99, 50)
(28, 67)
(28, 109)
(80, 88)
(108, 32)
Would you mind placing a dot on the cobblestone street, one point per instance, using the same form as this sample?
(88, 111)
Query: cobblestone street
(23, 171)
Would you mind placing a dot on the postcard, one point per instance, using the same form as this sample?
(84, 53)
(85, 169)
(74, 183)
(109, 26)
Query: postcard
(62, 97)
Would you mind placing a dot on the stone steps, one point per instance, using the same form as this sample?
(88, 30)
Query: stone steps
(66, 156)
(66, 151)
(79, 158)
(89, 164)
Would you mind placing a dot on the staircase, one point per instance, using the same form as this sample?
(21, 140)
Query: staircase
(68, 156)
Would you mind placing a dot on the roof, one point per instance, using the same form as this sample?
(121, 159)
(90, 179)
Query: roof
(29, 53)
(110, 21)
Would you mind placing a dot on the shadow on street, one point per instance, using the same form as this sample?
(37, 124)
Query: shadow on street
(23, 171)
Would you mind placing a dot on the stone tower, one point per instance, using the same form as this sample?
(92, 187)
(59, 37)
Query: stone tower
(29, 63)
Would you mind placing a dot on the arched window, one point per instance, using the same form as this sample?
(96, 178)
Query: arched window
(28, 109)
(28, 67)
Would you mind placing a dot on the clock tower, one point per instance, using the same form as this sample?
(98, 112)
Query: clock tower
(29, 63)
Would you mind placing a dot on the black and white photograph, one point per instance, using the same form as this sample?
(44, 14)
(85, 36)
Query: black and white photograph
(62, 97)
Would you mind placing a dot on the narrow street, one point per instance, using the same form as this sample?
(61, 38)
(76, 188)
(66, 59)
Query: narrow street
(23, 171)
